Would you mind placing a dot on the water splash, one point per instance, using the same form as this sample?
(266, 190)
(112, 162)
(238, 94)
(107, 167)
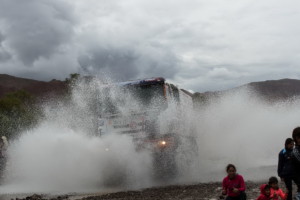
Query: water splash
(63, 154)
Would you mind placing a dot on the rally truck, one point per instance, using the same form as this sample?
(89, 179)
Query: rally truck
(154, 113)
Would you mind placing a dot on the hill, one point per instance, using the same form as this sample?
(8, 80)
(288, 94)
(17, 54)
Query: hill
(277, 89)
(36, 88)
(270, 90)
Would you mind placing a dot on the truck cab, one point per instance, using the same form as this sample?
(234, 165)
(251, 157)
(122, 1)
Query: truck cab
(150, 111)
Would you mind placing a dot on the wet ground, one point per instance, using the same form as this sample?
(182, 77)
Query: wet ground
(199, 191)
(205, 191)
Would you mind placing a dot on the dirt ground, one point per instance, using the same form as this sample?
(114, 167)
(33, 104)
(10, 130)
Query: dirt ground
(201, 191)
(183, 192)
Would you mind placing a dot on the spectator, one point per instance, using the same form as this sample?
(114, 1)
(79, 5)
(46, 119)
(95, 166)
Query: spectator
(285, 166)
(296, 159)
(276, 192)
(233, 184)
(265, 192)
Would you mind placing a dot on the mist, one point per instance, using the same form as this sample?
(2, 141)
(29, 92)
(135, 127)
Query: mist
(243, 129)
(55, 159)
(63, 154)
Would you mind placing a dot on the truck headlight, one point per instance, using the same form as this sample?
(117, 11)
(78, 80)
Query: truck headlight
(162, 143)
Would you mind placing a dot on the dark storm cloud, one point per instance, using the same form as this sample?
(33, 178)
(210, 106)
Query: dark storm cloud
(36, 29)
(124, 63)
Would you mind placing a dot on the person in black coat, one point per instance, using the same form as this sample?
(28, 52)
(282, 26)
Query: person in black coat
(285, 166)
(296, 159)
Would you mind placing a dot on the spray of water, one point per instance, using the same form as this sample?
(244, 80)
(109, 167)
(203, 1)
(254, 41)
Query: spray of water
(63, 154)
(56, 159)
(244, 130)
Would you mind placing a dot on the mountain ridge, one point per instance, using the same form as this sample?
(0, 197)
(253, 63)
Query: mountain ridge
(270, 89)
(10, 83)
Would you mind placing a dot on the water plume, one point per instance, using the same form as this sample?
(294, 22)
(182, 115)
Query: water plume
(65, 154)
(243, 129)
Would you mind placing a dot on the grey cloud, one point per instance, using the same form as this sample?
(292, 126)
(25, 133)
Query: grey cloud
(116, 62)
(123, 63)
(35, 28)
(60, 67)
(158, 61)
(4, 54)
(200, 45)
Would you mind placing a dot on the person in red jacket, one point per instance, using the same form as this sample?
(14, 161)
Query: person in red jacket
(265, 192)
(276, 192)
(233, 184)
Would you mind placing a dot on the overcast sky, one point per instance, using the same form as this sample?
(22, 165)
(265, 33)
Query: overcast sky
(200, 45)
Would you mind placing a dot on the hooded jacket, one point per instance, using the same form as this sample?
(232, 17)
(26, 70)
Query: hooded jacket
(263, 195)
(285, 166)
(275, 194)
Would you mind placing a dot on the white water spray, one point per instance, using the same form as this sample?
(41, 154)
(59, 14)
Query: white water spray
(62, 154)
(241, 129)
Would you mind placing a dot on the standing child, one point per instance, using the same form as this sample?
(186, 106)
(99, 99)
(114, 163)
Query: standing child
(265, 193)
(233, 184)
(276, 192)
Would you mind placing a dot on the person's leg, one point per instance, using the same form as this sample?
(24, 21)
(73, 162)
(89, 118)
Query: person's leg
(243, 196)
(289, 186)
(297, 182)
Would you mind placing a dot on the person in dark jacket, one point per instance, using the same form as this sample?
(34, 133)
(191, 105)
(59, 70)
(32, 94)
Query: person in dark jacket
(285, 166)
(296, 159)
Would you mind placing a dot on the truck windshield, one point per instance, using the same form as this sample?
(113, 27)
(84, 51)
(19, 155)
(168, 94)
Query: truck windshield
(147, 96)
